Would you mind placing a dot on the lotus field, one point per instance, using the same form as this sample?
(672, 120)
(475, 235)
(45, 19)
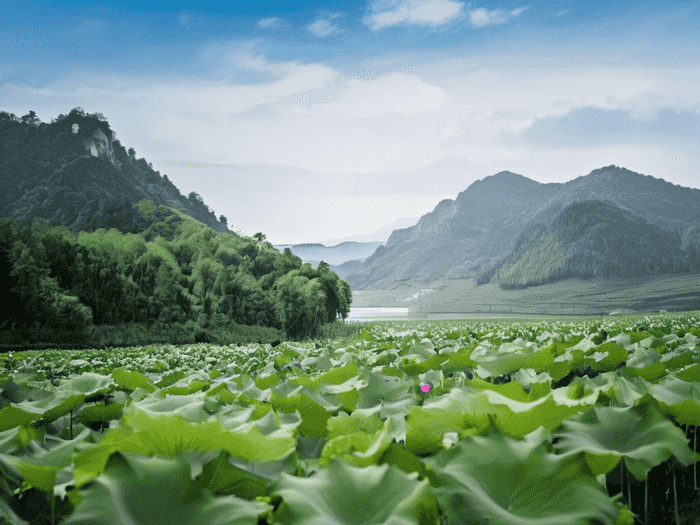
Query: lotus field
(469, 422)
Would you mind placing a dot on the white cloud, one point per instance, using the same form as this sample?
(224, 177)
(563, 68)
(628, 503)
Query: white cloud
(396, 92)
(273, 21)
(322, 28)
(482, 17)
(399, 120)
(423, 12)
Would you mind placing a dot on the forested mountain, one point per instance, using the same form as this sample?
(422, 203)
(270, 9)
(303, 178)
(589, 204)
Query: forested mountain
(506, 220)
(158, 275)
(591, 238)
(76, 173)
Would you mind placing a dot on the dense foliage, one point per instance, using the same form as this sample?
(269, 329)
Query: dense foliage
(424, 423)
(178, 281)
(593, 238)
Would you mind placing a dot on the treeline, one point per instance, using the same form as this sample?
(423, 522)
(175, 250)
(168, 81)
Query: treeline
(176, 282)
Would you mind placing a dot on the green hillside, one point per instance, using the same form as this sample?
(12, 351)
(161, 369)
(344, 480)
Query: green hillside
(178, 281)
(587, 239)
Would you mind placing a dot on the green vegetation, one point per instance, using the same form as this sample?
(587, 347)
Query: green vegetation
(176, 282)
(591, 238)
(582, 423)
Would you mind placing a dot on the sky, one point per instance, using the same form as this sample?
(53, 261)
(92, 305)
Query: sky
(342, 121)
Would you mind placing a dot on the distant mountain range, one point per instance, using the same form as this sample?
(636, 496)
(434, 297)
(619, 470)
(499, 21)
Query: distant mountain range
(506, 229)
(518, 232)
(333, 255)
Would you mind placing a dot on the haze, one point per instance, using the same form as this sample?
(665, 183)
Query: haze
(330, 122)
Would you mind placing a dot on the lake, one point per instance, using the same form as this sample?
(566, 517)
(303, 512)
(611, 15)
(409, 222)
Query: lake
(398, 314)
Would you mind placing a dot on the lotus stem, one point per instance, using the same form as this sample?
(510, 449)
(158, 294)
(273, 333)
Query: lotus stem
(629, 490)
(675, 495)
(646, 500)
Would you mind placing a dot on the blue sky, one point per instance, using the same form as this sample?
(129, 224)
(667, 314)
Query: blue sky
(334, 121)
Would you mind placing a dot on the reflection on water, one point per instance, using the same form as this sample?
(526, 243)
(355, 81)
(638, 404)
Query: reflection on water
(374, 314)
(389, 314)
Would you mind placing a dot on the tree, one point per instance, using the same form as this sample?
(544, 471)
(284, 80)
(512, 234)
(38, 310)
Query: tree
(301, 304)
(132, 153)
(223, 220)
(260, 237)
(31, 118)
(195, 198)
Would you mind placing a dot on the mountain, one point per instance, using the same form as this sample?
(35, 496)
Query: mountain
(589, 239)
(505, 223)
(333, 255)
(74, 172)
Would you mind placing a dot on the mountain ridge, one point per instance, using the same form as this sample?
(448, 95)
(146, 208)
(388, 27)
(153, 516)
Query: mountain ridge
(494, 216)
(74, 172)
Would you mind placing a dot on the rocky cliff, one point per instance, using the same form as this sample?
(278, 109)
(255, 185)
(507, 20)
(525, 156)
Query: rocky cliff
(75, 172)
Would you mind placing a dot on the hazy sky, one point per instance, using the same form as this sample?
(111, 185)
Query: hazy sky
(331, 121)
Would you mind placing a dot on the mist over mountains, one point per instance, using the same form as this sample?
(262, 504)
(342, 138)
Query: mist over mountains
(506, 228)
(517, 232)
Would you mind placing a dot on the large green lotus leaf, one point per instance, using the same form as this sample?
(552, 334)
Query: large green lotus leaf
(408, 462)
(313, 414)
(341, 494)
(276, 424)
(629, 390)
(94, 386)
(354, 383)
(528, 377)
(690, 374)
(263, 383)
(131, 380)
(344, 424)
(498, 480)
(518, 419)
(643, 357)
(651, 373)
(394, 395)
(50, 408)
(136, 489)
(678, 398)
(501, 364)
(426, 429)
(170, 435)
(586, 391)
(424, 349)
(360, 449)
(681, 359)
(100, 413)
(512, 390)
(467, 402)
(191, 407)
(337, 376)
(222, 477)
(563, 364)
(15, 415)
(185, 390)
(641, 435)
(605, 357)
